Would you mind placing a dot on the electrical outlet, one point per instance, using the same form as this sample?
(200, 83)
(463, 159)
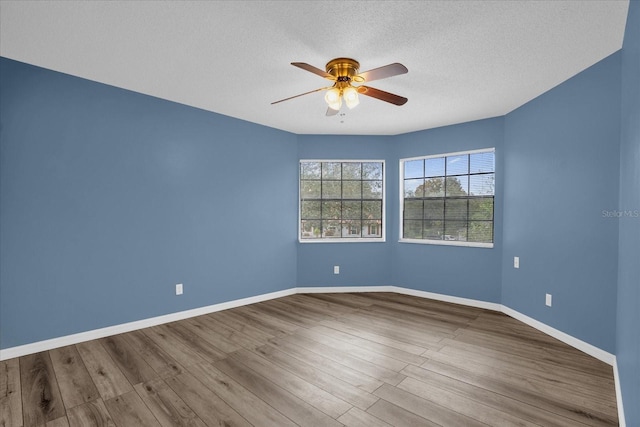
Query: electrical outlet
(336, 269)
(548, 300)
(179, 289)
(516, 262)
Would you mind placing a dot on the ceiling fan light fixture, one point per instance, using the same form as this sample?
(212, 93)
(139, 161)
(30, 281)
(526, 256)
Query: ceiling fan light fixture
(350, 95)
(344, 71)
(334, 98)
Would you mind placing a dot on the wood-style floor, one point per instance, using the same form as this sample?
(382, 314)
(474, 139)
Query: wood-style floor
(374, 359)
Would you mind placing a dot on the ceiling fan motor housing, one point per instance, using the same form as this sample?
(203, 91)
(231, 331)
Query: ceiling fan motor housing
(344, 69)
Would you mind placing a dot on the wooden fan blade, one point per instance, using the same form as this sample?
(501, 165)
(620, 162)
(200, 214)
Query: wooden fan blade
(302, 94)
(382, 95)
(332, 112)
(313, 70)
(382, 72)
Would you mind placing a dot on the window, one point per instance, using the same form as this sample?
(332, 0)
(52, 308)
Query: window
(341, 200)
(448, 199)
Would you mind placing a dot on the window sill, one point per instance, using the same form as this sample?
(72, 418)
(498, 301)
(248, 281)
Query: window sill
(447, 243)
(344, 240)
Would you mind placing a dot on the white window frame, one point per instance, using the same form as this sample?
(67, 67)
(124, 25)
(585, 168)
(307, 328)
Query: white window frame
(401, 203)
(360, 239)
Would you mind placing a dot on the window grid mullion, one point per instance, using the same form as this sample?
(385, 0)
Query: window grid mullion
(451, 213)
(335, 210)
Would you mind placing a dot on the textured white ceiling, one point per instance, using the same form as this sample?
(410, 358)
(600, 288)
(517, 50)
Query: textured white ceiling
(467, 60)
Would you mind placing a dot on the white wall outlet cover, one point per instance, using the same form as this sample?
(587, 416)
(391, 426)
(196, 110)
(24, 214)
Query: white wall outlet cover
(179, 289)
(548, 300)
(336, 269)
(516, 262)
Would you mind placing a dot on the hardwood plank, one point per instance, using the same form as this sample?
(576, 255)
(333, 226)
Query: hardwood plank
(541, 348)
(315, 396)
(397, 416)
(553, 388)
(333, 384)
(268, 329)
(437, 310)
(412, 321)
(358, 418)
(129, 410)
(485, 355)
(358, 351)
(166, 405)
(173, 346)
(298, 312)
(536, 398)
(328, 366)
(423, 338)
(490, 398)
(373, 346)
(268, 322)
(590, 385)
(204, 349)
(106, 375)
(205, 328)
(58, 422)
(327, 307)
(41, 399)
(132, 365)
(567, 356)
(291, 406)
(232, 338)
(349, 300)
(447, 322)
(10, 393)
(344, 358)
(205, 403)
(492, 322)
(90, 414)
(76, 385)
(321, 309)
(237, 323)
(425, 408)
(339, 325)
(247, 404)
(456, 402)
(159, 360)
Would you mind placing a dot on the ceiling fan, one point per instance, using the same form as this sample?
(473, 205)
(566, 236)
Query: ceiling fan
(344, 71)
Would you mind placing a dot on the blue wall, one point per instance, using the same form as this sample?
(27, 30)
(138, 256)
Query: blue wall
(451, 270)
(361, 264)
(109, 198)
(561, 172)
(628, 336)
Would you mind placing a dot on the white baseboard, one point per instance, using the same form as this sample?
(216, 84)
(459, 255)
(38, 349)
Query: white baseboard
(400, 290)
(448, 298)
(50, 344)
(616, 376)
(591, 350)
(342, 289)
(145, 323)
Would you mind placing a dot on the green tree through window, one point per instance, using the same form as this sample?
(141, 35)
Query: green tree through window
(341, 200)
(449, 198)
